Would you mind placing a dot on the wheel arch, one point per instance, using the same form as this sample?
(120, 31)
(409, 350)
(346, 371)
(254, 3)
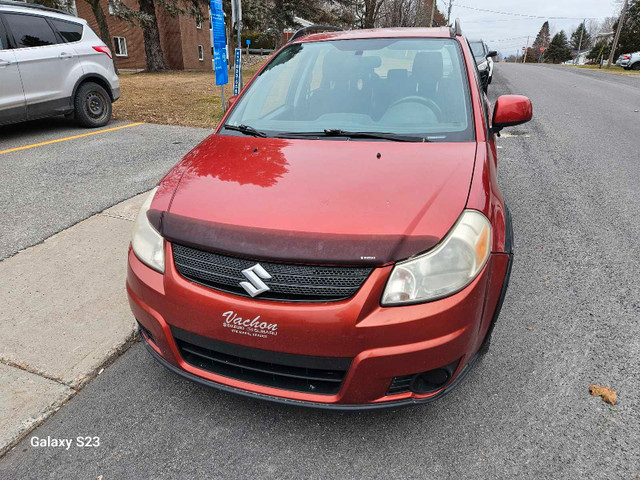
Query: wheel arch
(96, 78)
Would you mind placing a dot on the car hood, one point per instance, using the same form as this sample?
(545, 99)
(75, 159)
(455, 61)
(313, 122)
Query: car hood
(317, 201)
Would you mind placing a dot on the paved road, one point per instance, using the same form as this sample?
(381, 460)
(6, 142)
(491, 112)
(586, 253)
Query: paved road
(570, 319)
(51, 187)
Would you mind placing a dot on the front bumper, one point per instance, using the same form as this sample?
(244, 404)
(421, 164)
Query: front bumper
(382, 342)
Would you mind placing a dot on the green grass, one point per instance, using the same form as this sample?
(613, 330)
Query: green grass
(614, 69)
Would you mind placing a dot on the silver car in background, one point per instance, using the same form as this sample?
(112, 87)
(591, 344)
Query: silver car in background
(52, 63)
(629, 61)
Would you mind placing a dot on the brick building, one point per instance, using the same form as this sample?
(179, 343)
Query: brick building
(186, 43)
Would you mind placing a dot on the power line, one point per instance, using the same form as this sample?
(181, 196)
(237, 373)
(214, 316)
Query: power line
(523, 14)
(507, 39)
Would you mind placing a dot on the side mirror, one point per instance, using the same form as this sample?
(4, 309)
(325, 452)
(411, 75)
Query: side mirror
(231, 101)
(492, 53)
(511, 110)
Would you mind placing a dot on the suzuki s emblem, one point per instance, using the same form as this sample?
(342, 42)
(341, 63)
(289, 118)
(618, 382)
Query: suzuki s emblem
(255, 286)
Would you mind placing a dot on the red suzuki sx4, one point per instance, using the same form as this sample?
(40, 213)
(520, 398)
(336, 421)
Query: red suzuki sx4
(340, 241)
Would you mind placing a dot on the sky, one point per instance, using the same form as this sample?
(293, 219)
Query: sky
(508, 33)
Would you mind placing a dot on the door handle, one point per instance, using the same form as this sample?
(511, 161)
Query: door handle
(65, 55)
(4, 63)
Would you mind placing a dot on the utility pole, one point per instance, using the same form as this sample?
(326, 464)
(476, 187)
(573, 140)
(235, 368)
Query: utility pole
(524, 60)
(433, 12)
(449, 12)
(584, 26)
(617, 37)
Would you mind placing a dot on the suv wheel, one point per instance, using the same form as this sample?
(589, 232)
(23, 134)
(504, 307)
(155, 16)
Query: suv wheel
(635, 66)
(92, 105)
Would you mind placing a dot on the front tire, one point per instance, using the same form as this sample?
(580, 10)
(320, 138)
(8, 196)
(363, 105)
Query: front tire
(635, 66)
(92, 105)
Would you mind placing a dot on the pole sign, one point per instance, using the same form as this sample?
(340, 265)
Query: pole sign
(236, 73)
(219, 43)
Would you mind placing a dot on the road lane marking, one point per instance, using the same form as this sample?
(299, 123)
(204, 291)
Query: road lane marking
(58, 140)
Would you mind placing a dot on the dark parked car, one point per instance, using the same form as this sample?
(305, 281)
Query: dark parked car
(484, 59)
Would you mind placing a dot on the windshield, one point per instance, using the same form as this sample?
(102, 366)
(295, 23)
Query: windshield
(477, 48)
(415, 87)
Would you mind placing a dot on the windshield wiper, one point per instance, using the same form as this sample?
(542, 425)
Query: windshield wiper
(335, 132)
(245, 129)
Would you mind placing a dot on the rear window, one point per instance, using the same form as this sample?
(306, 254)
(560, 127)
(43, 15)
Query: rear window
(69, 31)
(477, 48)
(30, 30)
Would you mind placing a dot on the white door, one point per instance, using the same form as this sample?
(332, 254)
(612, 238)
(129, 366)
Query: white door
(12, 108)
(48, 67)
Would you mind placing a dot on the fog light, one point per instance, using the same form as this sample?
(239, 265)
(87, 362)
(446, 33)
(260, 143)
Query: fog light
(430, 381)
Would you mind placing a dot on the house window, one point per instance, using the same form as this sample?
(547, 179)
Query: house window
(210, 20)
(120, 45)
(198, 21)
(111, 10)
(200, 53)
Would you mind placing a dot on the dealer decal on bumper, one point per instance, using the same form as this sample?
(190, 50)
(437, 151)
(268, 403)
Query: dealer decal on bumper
(247, 326)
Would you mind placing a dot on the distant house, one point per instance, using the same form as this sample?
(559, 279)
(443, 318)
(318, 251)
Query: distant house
(185, 40)
(579, 57)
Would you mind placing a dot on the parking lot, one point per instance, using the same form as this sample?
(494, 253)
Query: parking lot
(569, 320)
(60, 174)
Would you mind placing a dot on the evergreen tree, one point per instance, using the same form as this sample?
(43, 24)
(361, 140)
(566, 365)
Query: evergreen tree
(543, 39)
(630, 34)
(558, 50)
(581, 33)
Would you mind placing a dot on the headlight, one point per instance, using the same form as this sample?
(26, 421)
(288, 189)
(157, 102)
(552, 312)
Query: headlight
(147, 243)
(449, 267)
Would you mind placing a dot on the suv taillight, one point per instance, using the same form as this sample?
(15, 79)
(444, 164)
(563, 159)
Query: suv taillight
(627, 57)
(104, 50)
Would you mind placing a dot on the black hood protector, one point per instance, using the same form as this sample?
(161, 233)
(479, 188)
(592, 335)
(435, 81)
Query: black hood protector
(288, 246)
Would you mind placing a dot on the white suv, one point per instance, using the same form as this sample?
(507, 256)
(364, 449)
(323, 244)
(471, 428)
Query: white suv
(629, 61)
(52, 63)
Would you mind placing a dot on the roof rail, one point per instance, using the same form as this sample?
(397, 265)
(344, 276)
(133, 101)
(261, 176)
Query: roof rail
(314, 28)
(35, 6)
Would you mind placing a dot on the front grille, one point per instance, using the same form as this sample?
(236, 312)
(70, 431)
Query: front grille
(289, 282)
(301, 373)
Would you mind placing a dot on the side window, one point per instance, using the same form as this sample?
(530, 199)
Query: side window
(4, 44)
(483, 96)
(69, 31)
(30, 30)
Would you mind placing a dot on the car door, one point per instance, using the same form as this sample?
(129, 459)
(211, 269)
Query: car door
(12, 105)
(48, 66)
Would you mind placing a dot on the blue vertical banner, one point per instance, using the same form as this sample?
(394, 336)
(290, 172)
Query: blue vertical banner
(237, 71)
(219, 43)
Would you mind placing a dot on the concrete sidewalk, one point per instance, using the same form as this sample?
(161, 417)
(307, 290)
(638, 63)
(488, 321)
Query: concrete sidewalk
(64, 315)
